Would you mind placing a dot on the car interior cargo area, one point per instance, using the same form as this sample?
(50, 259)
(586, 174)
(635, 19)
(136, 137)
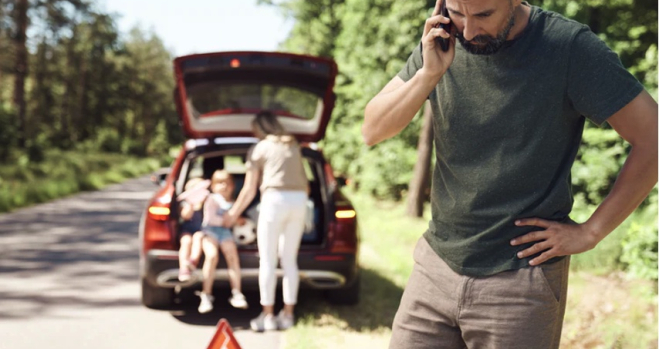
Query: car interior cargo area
(203, 161)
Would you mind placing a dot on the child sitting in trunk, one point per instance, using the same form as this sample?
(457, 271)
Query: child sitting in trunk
(215, 235)
(191, 203)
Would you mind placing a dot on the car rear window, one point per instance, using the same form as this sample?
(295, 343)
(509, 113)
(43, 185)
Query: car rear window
(239, 97)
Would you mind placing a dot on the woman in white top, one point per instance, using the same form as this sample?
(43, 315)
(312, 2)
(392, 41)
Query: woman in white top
(276, 163)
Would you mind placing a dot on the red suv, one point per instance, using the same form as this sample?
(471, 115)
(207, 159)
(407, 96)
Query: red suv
(217, 95)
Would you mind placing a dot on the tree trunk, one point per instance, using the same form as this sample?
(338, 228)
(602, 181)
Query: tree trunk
(6, 50)
(3, 49)
(421, 177)
(81, 110)
(68, 128)
(20, 67)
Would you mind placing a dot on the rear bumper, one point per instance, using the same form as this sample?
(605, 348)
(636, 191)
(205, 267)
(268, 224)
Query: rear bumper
(160, 268)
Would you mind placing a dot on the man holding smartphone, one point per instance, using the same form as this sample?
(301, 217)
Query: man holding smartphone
(509, 105)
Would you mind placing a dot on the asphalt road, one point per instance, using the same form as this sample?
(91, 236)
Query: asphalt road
(69, 279)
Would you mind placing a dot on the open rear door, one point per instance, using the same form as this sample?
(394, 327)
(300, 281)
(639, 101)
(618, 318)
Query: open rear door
(218, 94)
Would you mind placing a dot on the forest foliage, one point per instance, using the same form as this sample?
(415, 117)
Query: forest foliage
(71, 81)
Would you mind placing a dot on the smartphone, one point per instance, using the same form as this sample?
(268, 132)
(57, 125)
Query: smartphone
(443, 43)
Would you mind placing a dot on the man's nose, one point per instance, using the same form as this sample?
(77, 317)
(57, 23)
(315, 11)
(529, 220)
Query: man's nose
(470, 30)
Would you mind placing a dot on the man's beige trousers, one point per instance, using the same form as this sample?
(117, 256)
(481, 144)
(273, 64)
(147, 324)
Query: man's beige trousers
(515, 309)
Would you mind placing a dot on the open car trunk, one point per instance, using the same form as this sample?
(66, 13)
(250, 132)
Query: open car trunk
(204, 160)
(218, 94)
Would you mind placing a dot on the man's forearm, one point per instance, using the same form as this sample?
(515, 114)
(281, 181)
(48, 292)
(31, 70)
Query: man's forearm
(390, 112)
(636, 179)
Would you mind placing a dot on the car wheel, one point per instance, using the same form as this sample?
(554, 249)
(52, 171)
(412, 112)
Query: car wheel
(346, 296)
(156, 297)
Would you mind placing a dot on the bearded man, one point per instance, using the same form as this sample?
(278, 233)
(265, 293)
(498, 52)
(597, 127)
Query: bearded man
(509, 98)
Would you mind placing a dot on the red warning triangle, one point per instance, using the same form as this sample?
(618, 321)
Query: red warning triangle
(223, 338)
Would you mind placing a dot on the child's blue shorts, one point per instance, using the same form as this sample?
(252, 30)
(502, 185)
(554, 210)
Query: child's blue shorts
(220, 234)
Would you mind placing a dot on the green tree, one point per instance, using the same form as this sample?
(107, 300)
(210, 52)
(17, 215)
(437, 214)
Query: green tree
(317, 24)
(149, 82)
(76, 83)
(21, 14)
(19, 37)
(5, 50)
(66, 67)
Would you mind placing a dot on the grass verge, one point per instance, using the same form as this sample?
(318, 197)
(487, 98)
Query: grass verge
(63, 173)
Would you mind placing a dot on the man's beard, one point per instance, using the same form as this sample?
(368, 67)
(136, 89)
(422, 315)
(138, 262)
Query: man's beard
(486, 44)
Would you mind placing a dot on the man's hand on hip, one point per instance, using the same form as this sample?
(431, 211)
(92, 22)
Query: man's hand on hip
(557, 239)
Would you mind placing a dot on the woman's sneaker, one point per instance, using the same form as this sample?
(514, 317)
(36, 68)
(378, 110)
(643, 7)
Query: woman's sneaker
(238, 300)
(206, 304)
(285, 321)
(264, 322)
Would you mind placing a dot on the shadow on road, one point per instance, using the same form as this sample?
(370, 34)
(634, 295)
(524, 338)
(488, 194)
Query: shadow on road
(187, 312)
(379, 300)
(75, 251)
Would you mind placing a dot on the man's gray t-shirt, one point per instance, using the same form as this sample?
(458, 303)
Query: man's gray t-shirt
(507, 130)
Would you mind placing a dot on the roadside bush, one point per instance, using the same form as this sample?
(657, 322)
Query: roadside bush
(599, 160)
(7, 133)
(639, 246)
(132, 147)
(91, 182)
(108, 140)
(388, 172)
(639, 251)
(5, 199)
(629, 248)
(36, 148)
(63, 173)
(159, 144)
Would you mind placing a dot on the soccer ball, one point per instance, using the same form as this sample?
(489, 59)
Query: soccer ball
(245, 234)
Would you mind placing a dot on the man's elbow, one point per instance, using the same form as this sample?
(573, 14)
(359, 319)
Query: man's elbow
(368, 136)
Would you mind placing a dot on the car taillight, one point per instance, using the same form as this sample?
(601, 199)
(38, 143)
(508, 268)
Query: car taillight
(159, 209)
(157, 227)
(344, 231)
(343, 214)
(159, 213)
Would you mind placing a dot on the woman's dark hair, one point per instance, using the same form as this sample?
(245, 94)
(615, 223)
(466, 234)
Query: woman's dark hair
(267, 125)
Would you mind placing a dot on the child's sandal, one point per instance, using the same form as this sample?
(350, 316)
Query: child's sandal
(184, 274)
(192, 264)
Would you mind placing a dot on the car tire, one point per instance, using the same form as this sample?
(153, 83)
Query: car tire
(345, 296)
(156, 297)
